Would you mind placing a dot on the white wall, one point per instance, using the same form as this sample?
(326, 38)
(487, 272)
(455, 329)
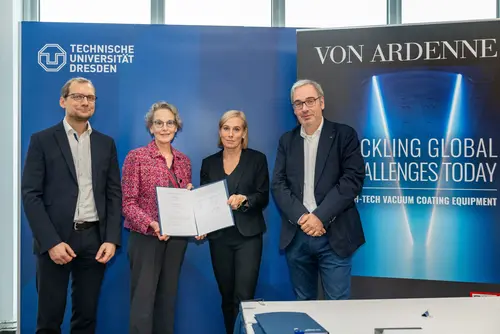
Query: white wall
(10, 15)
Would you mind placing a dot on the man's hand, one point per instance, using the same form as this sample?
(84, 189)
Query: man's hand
(235, 201)
(106, 252)
(156, 228)
(311, 225)
(189, 186)
(61, 253)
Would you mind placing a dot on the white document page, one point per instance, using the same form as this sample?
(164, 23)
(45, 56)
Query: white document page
(175, 212)
(211, 210)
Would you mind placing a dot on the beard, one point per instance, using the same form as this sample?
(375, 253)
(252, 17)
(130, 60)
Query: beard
(80, 118)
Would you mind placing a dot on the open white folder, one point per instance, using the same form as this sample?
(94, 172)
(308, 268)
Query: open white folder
(194, 212)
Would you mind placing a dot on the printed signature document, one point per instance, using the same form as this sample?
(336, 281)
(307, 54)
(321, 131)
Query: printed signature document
(194, 212)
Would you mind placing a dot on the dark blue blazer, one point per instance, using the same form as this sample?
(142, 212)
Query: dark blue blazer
(50, 190)
(339, 176)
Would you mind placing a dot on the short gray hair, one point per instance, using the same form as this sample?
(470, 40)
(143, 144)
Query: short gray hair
(305, 82)
(162, 105)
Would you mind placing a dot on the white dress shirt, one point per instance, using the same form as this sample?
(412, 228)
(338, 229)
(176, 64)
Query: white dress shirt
(80, 150)
(310, 151)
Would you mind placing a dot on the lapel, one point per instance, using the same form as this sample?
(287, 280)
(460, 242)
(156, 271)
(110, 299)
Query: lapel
(240, 168)
(62, 141)
(324, 145)
(218, 169)
(94, 158)
(297, 155)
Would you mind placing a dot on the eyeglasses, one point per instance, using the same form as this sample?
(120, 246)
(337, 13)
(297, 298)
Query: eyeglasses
(80, 97)
(159, 124)
(310, 102)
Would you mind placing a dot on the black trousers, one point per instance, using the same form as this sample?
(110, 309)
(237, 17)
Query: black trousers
(52, 286)
(155, 267)
(236, 263)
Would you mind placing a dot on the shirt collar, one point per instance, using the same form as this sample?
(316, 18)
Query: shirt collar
(316, 133)
(69, 129)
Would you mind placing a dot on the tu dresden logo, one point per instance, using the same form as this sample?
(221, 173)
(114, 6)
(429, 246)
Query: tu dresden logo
(52, 57)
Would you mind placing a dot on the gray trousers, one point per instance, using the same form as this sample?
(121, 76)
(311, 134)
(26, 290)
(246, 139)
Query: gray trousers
(154, 274)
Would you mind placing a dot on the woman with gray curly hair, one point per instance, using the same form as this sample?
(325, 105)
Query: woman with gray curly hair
(155, 259)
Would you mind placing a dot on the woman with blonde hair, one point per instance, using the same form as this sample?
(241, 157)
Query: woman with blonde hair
(236, 251)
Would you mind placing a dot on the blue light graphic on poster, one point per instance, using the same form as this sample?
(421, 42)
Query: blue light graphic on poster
(428, 179)
(424, 102)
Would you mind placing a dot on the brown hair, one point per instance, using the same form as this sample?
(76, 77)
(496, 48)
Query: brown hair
(67, 85)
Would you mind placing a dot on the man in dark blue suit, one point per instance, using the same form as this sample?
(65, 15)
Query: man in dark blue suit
(72, 199)
(318, 173)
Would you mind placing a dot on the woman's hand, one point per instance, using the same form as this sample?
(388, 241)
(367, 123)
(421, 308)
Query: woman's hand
(235, 201)
(156, 228)
(200, 237)
(189, 186)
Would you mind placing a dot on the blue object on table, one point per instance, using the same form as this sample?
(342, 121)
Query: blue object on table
(257, 329)
(288, 322)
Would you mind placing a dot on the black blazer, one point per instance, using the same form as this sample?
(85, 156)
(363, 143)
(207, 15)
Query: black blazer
(338, 178)
(252, 180)
(50, 189)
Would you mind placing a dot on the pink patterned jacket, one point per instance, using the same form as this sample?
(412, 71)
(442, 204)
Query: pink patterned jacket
(144, 169)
